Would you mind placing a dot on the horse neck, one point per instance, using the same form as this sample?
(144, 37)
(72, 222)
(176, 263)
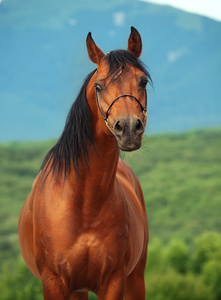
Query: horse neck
(95, 183)
(99, 177)
(103, 163)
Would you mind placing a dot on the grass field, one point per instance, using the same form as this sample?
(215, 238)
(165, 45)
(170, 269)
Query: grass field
(181, 179)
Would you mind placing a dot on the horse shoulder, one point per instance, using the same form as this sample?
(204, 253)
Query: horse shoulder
(136, 211)
(36, 179)
(127, 176)
(26, 229)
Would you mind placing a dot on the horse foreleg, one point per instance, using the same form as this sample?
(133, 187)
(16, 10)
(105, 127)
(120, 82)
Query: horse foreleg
(114, 289)
(135, 284)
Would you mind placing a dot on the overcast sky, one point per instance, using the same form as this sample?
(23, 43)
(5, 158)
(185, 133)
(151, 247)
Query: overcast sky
(208, 8)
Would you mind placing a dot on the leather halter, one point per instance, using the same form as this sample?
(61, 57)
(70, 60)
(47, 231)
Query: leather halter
(105, 117)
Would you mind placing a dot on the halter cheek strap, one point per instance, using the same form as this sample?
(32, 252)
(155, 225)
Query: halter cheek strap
(105, 117)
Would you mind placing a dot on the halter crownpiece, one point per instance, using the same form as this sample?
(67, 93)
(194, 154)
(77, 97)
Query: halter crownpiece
(105, 117)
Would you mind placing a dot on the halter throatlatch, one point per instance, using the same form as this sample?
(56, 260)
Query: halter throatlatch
(105, 117)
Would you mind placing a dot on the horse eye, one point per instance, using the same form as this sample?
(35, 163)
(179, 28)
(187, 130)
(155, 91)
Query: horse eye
(143, 82)
(98, 88)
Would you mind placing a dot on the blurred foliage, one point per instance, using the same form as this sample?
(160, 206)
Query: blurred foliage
(180, 176)
(18, 283)
(208, 249)
(173, 286)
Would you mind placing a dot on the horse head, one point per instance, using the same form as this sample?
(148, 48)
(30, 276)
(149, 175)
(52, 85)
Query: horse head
(120, 90)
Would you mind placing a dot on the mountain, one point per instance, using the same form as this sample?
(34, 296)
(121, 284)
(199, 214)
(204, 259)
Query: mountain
(43, 61)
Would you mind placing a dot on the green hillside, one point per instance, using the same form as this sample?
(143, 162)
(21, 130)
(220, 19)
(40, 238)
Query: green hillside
(180, 176)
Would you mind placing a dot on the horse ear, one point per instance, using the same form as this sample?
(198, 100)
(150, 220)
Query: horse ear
(135, 42)
(94, 52)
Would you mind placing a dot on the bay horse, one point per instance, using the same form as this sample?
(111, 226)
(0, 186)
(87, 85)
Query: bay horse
(83, 226)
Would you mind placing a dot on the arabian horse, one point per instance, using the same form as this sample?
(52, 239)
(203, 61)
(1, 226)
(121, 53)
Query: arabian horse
(83, 227)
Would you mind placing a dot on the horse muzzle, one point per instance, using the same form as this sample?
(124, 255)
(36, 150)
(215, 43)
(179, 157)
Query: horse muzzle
(129, 133)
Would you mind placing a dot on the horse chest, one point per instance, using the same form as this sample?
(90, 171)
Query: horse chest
(95, 253)
(105, 237)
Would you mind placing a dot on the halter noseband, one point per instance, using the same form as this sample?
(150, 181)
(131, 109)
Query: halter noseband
(105, 117)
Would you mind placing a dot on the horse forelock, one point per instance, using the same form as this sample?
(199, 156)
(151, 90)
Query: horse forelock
(123, 60)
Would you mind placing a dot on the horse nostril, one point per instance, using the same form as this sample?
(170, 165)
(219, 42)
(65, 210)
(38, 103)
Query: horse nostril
(139, 126)
(118, 128)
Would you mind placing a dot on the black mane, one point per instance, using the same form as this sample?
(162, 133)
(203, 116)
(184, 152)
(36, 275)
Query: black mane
(78, 136)
(72, 147)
